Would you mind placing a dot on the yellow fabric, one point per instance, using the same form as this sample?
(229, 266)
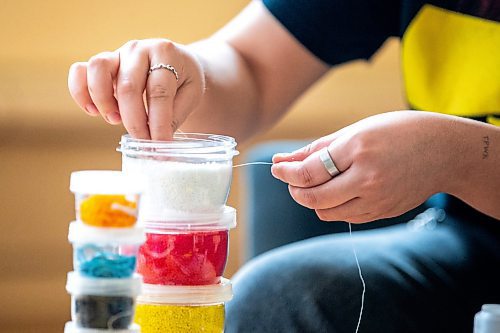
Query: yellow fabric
(451, 64)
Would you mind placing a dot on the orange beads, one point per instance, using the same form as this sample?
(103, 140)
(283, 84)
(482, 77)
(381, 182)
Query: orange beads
(105, 210)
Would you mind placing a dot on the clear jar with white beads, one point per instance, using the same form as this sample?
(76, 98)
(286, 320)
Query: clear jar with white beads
(189, 175)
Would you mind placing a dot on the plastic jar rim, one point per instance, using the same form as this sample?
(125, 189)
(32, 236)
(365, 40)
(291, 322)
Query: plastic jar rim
(80, 233)
(71, 327)
(491, 309)
(78, 285)
(186, 295)
(224, 220)
(105, 182)
(194, 145)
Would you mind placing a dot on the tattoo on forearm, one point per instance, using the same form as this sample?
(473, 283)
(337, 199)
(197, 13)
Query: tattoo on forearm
(486, 146)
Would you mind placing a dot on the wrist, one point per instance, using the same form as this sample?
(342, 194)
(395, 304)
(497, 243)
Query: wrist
(458, 153)
(447, 153)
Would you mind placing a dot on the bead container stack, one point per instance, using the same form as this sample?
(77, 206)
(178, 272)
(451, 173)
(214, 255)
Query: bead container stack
(106, 239)
(184, 213)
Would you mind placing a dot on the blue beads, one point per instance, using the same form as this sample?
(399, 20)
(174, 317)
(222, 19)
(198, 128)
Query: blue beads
(101, 262)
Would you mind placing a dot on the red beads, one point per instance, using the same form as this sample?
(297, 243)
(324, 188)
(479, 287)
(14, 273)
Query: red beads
(183, 258)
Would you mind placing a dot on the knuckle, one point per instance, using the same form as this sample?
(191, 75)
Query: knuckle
(127, 87)
(132, 44)
(135, 129)
(165, 46)
(373, 182)
(304, 176)
(308, 149)
(99, 60)
(77, 66)
(159, 92)
(308, 198)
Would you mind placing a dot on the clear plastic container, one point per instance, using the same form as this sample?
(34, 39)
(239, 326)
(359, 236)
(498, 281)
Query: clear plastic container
(184, 251)
(191, 174)
(105, 198)
(105, 253)
(70, 327)
(183, 309)
(103, 303)
(488, 319)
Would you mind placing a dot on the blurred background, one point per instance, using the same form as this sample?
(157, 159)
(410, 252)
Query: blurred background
(44, 136)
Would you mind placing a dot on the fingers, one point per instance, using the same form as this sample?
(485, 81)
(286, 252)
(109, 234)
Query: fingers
(350, 211)
(78, 88)
(130, 85)
(310, 172)
(335, 192)
(117, 85)
(302, 153)
(161, 89)
(101, 73)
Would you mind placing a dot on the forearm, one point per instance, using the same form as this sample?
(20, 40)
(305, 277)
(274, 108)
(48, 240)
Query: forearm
(254, 70)
(231, 102)
(474, 175)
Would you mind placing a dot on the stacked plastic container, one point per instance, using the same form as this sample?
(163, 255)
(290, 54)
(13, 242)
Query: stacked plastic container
(184, 213)
(106, 239)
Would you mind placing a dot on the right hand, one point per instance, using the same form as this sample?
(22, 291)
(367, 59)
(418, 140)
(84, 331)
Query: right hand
(113, 84)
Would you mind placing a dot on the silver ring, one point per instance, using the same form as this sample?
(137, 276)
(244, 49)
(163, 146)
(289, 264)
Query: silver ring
(164, 66)
(330, 167)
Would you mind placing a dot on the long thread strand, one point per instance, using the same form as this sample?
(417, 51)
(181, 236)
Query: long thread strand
(353, 250)
(252, 163)
(360, 277)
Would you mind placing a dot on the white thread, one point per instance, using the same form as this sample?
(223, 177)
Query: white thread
(361, 278)
(252, 163)
(353, 250)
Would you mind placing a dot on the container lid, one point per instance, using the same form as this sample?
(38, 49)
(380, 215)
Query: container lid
(192, 145)
(201, 294)
(81, 285)
(70, 327)
(224, 220)
(105, 182)
(81, 233)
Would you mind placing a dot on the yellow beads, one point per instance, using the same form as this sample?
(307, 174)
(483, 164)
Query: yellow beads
(180, 318)
(108, 211)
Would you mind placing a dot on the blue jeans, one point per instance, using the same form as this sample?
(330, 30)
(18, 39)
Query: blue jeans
(423, 280)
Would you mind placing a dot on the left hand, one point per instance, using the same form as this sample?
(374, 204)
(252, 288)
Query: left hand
(389, 163)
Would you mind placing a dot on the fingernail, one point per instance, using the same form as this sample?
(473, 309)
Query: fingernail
(91, 109)
(280, 156)
(113, 118)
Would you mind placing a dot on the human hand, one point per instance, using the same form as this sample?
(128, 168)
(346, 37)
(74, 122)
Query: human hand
(389, 163)
(117, 86)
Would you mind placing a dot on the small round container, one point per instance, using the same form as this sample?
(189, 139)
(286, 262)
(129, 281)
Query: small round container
(70, 327)
(190, 174)
(105, 253)
(105, 198)
(102, 303)
(488, 319)
(183, 309)
(186, 251)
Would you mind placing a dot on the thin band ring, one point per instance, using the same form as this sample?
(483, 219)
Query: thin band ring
(327, 161)
(168, 67)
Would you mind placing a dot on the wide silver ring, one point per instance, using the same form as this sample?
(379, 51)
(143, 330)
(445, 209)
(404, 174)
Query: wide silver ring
(164, 66)
(330, 167)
